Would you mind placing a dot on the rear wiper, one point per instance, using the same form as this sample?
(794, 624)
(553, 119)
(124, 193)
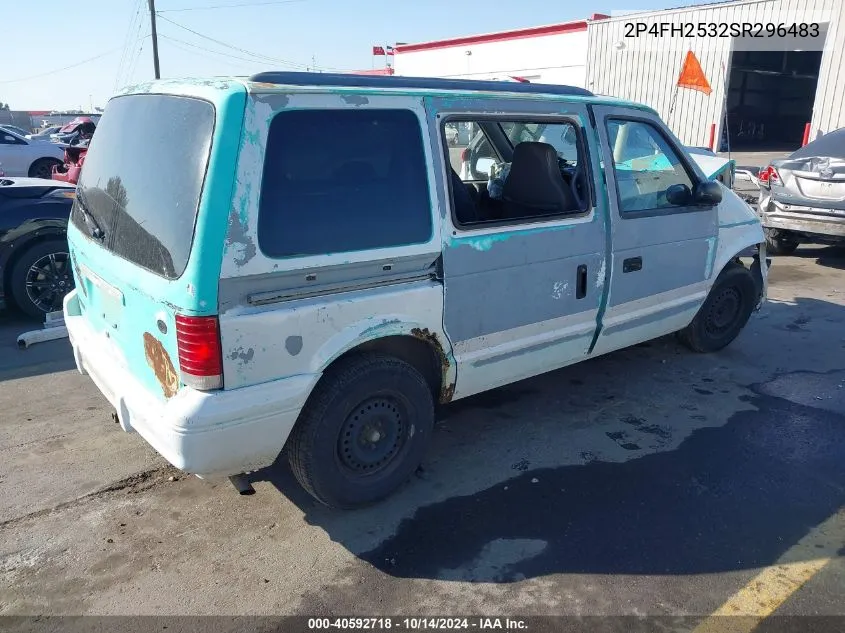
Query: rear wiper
(90, 222)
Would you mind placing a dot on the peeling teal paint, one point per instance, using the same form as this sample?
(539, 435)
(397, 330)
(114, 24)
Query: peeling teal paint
(457, 96)
(602, 204)
(486, 242)
(711, 257)
(743, 223)
(380, 326)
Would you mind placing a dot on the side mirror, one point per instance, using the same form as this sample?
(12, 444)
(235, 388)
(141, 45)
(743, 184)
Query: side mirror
(707, 193)
(679, 195)
(483, 166)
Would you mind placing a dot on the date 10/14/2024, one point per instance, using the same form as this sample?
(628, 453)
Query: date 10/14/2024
(418, 624)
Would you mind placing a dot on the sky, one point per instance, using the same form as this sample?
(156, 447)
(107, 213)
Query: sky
(82, 51)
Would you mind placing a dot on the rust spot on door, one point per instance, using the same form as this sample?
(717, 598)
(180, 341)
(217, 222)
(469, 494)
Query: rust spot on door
(447, 389)
(159, 360)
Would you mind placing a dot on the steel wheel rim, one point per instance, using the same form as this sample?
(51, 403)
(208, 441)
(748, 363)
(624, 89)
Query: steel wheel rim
(48, 280)
(372, 436)
(724, 311)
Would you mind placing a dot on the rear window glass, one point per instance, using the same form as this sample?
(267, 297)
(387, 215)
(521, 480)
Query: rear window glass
(341, 181)
(143, 176)
(831, 145)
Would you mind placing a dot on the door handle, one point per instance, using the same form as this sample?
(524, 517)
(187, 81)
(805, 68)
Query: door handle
(632, 264)
(581, 282)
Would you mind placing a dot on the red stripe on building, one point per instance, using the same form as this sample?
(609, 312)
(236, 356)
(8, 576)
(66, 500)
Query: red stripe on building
(502, 36)
(374, 71)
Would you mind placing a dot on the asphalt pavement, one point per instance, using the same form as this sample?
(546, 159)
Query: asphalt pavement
(651, 481)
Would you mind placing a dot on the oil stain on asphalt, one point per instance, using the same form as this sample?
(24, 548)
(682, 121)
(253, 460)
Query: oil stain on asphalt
(732, 497)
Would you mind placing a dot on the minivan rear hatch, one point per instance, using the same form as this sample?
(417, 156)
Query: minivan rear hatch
(133, 227)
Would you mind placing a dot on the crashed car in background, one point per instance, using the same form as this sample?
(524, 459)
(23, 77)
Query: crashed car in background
(75, 146)
(802, 197)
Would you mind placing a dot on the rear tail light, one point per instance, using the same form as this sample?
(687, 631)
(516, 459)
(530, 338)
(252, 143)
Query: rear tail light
(465, 155)
(768, 175)
(200, 357)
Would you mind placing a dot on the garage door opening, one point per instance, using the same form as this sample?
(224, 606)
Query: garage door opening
(770, 99)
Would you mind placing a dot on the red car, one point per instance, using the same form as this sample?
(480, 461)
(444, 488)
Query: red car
(80, 131)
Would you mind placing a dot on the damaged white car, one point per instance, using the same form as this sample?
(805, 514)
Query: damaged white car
(802, 197)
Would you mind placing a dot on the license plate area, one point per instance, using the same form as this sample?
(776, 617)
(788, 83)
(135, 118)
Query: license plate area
(102, 297)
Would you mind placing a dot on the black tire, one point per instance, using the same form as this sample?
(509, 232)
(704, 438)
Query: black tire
(780, 243)
(41, 277)
(334, 449)
(725, 312)
(43, 168)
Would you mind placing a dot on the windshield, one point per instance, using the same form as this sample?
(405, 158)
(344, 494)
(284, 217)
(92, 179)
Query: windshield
(139, 191)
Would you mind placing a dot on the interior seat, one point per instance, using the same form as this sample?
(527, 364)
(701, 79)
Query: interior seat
(466, 207)
(535, 185)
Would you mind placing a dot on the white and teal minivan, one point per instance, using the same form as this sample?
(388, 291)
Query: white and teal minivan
(292, 263)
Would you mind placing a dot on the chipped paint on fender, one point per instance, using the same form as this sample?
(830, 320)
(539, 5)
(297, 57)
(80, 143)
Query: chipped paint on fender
(324, 328)
(739, 228)
(711, 257)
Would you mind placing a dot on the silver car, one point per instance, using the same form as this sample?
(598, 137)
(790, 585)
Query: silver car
(802, 197)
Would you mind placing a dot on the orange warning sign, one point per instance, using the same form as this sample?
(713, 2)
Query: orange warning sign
(692, 76)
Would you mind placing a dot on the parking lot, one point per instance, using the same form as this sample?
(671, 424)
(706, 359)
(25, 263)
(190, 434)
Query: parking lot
(651, 481)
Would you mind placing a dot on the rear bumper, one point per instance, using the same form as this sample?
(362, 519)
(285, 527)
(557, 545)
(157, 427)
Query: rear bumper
(209, 434)
(810, 220)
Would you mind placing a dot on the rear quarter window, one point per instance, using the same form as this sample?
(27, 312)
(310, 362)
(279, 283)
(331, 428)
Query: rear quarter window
(343, 180)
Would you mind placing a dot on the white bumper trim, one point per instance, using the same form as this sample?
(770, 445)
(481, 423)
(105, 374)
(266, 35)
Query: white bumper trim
(210, 434)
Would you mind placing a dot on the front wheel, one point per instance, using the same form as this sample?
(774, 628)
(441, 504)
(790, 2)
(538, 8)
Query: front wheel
(725, 311)
(363, 431)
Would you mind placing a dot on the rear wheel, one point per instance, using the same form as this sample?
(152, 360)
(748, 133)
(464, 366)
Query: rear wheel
(41, 278)
(43, 168)
(780, 242)
(363, 431)
(725, 311)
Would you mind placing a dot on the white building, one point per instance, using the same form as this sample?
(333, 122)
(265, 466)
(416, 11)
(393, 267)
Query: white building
(770, 88)
(555, 54)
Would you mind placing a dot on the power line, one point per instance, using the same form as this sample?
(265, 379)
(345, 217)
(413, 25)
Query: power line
(58, 70)
(130, 77)
(258, 56)
(230, 6)
(174, 41)
(130, 47)
(127, 42)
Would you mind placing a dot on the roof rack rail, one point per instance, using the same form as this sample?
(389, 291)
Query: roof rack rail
(425, 83)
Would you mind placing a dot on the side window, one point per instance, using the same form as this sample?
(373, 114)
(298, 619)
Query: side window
(337, 181)
(8, 139)
(645, 166)
(508, 172)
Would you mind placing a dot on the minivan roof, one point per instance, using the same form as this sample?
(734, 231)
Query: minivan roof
(419, 83)
(214, 88)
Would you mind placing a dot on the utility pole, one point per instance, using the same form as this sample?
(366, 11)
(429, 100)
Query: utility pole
(152, 4)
